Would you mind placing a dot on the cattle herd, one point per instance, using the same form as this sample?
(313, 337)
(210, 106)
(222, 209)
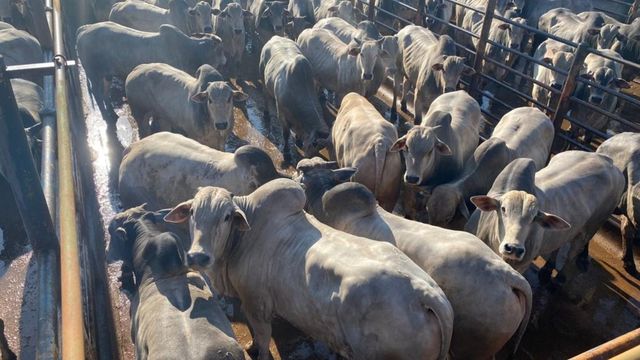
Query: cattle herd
(338, 250)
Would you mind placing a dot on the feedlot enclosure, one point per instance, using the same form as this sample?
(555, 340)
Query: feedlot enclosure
(68, 304)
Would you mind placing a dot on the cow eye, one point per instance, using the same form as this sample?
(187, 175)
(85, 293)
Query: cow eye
(191, 212)
(504, 211)
(227, 217)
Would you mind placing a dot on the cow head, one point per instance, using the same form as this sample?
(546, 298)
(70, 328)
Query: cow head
(201, 17)
(422, 150)
(314, 142)
(561, 60)
(275, 13)
(235, 16)
(344, 10)
(609, 37)
(604, 76)
(514, 6)
(212, 215)
(188, 53)
(439, 9)
(368, 53)
(443, 203)
(448, 70)
(219, 98)
(519, 216)
(296, 25)
(389, 51)
(318, 176)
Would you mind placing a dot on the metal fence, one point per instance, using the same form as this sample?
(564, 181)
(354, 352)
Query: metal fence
(571, 127)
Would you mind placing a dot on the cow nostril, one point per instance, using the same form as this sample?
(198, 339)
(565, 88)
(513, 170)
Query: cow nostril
(595, 100)
(198, 259)
(519, 251)
(449, 89)
(508, 249)
(207, 29)
(367, 76)
(221, 126)
(411, 179)
(238, 31)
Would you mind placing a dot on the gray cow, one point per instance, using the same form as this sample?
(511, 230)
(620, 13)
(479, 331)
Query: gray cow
(343, 9)
(229, 24)
(30, 100)
(502, 33)
(166, 168)
(201, 108)
(484, 322)
(522, 133)
(170, 46)
(347, 288)
(435, 153)
(624, 149)
(146, 17)
(18, 48)
(502, 8)
(429, 65)
(173, 313)
(270, 19)
(301, 13)
(533, 10)
(362, 138)
(339, 67)
(570, 26)
(552, 213)
(288, 81)
(558, 55)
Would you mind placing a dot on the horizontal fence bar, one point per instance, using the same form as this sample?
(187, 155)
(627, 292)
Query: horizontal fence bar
(525, 76)
(517, 92)
(606, 113)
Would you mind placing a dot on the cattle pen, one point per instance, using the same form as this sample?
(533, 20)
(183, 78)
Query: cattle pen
(59, 297)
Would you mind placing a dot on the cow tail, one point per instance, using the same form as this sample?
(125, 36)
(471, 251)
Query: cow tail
(380, 154)
(522, 290)
(446, 330)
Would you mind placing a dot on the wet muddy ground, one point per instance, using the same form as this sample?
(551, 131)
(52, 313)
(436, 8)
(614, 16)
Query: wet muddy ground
(597, 306)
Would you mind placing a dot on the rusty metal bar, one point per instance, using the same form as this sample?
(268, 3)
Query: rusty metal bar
(20, 171)
(569, 85)
(612, 348)
(631, 354)
(482, 44)
(71, 305)
(420, 15)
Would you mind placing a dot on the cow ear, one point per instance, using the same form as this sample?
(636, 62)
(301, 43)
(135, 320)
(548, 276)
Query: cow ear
(551, 222)
(344, 174)
(180, 213)
(240, 220)
(239, 96)
(215, 11)
(468, 70)
(192, 12)
(354, 50)
(463, 210)
(399, 145)
(437, 67)
(621, 83)
(246, 13)
(593, 31)
(266, 13)
(443, 148)
(485, 203)
(621, 37)
(200, 97)
(503, 26)
(333, 8)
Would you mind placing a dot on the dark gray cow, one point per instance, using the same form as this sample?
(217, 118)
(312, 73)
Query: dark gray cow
(429, 65)
(271, 17)
(288, 81)
(485, 322)
(170, 46)
(192, 324)
(522, 133)
(552, 213)
(624, 149)
(201, 108)
(302, 17)
(18, 48)
(336, 277)
(435, 153)
(166, 168)
(30, 99)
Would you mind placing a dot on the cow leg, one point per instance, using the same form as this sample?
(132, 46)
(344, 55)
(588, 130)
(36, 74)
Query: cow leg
(544, 275)
(261, 331)
(394, 106)
(108, 107)
(418, 104)
(405, 93)
(629, 232)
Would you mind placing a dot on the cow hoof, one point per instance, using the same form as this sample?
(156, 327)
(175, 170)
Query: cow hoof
(544, 275)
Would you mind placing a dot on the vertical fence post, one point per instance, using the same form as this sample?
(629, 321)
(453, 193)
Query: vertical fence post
(20, 171)
(371, 11)
(482, 44)
(569, 86)
(633, 11)
(420, 14)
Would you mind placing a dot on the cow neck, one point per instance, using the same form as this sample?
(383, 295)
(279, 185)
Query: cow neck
(314, 192)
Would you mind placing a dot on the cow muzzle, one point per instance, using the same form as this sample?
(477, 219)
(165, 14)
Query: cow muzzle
(595, 100)
(449, 89)
(208, 29)
(367, 76)
(237, 31)
(411, 179)
(221, 126)
(198, 260)
(512, 251)
(277, 28)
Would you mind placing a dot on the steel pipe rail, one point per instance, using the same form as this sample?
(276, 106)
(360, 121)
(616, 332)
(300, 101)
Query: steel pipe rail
(72, 322)
(612, 348)
(604, 112)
